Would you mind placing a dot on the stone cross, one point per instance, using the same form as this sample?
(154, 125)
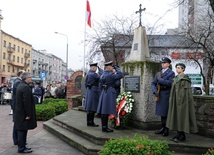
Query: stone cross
(140, 12)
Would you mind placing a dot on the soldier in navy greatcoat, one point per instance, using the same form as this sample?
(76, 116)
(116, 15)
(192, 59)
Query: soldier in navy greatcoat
(92, 93)
(163, 78)
(107, 100)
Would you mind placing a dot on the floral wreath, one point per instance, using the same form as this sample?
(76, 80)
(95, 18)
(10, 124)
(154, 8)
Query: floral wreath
(124, 108)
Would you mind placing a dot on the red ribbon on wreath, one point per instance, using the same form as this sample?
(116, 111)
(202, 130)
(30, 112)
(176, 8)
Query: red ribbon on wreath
(120, 106)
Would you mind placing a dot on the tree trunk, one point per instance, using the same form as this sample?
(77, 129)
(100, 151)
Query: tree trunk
(207, 88)
(212, 4)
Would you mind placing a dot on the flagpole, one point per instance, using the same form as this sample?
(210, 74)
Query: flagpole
(84, 50)
(88, 16)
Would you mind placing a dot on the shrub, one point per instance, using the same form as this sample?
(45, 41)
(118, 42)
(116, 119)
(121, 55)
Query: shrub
(44, 112)
(47, 100)
(210, 152)
(60, 107)
(135, 146)
(50, 108)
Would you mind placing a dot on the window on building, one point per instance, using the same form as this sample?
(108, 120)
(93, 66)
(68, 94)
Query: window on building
(29, 62)
(14, 58)
(17, 69)
(8, 69)
(3, 68)
(5, 43)
(25, 50)
(18, 49)
(22, 50)
(22, 60)
(14, 46)
(13, 69)
(9, 44)
(4, 55)
(17, 59)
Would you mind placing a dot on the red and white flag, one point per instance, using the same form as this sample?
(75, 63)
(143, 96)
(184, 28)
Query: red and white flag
(88, 13)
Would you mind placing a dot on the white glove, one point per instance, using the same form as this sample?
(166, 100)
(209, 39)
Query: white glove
(97, 70)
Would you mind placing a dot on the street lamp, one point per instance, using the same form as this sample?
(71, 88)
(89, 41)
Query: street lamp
(66, 53)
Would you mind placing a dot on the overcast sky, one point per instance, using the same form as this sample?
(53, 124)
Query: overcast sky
(35, 21)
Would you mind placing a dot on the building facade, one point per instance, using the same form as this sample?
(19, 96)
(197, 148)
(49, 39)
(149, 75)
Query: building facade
(41, 64)
(63, 73)
(15, 55)
(56, 69)
(49, 65)
(193, 13)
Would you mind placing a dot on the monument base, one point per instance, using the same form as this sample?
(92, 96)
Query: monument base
(145, 125)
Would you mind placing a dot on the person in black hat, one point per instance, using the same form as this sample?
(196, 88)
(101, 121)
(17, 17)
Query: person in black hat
(92, 93)
(161, 86)
(181, 113)
(107, 100)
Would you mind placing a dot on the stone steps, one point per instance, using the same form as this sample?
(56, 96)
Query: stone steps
(71, 127)
(78, 142)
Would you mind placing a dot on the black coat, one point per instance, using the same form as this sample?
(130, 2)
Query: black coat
(24, 107)
(15, 85)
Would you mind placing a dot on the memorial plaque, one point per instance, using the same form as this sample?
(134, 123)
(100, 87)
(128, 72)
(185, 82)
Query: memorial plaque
(132, 83)
(135, 46)
(78, 82)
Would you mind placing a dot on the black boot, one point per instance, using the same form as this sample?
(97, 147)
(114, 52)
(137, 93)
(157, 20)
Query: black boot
(166, 132)
(180, 138)
(91, 120)
(163, 123)
(88, 118)
(104, 119)
(175, 137)
(161, 131)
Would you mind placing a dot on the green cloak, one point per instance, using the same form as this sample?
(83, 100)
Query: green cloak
(181, 113)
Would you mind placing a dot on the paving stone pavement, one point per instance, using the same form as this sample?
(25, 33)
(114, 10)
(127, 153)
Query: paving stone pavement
(41, 141)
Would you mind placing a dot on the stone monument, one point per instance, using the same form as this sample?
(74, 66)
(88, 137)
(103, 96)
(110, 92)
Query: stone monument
(74, 91)
(141, 72)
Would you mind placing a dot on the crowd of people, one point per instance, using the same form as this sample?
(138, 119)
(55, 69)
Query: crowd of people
(51, 91)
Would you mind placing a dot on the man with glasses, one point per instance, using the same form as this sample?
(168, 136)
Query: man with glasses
(25, 112)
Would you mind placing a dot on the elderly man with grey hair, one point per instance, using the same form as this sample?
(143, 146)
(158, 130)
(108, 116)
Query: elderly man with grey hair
(25, 112)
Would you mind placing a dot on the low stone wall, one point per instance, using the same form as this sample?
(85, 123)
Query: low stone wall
(205, 115)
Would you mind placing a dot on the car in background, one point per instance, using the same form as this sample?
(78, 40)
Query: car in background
(34, 80)
(198, 90)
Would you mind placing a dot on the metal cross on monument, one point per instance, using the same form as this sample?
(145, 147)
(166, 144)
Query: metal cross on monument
(140, 12)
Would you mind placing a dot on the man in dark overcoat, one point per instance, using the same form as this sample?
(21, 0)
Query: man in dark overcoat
(14, 87)
(25, 112)
(107, 100)
(164, 79)
(92, 93)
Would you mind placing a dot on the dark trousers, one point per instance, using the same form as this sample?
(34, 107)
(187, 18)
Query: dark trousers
(15, 136)
(104, 120)
(163, 121)
(22, 137)
(90, 117)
